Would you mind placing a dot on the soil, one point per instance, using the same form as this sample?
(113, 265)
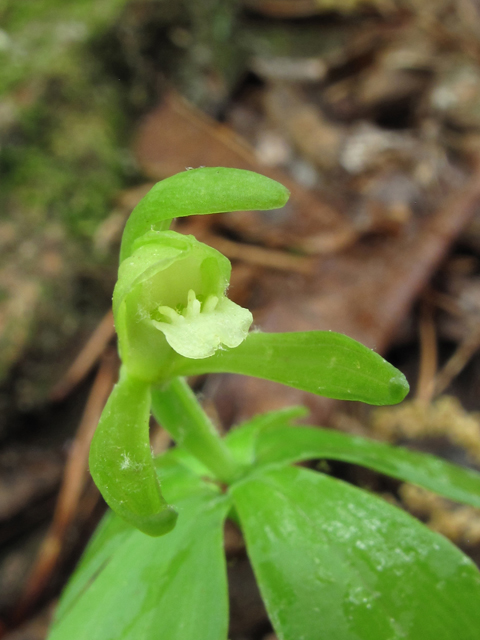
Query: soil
(370, 114)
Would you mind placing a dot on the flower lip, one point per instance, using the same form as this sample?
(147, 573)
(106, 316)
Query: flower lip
(203, 328)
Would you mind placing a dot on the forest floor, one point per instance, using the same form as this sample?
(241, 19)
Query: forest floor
(368, 112)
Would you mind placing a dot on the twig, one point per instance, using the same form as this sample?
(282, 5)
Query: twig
(465, 351)
(71, 489)
(260, 256)
(428, 354)
(445, 302)
(86, 359)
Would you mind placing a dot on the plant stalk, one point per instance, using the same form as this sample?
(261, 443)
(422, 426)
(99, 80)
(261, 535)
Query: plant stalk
(177, 409)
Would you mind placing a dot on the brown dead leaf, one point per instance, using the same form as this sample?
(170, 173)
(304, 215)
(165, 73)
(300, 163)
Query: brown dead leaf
(364, 293)
(176, 136)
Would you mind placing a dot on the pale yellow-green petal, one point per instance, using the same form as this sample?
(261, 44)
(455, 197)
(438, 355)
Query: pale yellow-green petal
(199, 335)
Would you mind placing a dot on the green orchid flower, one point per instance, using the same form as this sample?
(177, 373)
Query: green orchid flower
(170, 300)
(169, 304)
(173, 319)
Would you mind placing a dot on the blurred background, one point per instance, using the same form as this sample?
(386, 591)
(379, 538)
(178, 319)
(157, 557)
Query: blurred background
(369, 111)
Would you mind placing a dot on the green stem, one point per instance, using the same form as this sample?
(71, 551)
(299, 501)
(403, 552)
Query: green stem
(177, 409)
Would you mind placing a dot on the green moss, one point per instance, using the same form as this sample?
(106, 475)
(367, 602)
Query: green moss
(72, 75)
(63, 140)
(42, 37)
(61, 154)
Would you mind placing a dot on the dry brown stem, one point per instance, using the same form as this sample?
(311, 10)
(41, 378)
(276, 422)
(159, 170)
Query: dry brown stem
(86, 359)
(72, 487)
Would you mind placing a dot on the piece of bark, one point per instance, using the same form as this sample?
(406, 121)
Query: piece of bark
(318, 140)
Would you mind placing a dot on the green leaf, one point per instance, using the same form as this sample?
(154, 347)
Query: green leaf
(170, 587)
(121, 462)
(108, 537)
(322, 362)
(241, 440)
(293, 444)
(334, 562)
(198, 192)
(178, 482)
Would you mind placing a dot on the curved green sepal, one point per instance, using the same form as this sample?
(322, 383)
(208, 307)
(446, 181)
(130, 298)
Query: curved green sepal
(121, 462)
(322, 362)
(198, 192)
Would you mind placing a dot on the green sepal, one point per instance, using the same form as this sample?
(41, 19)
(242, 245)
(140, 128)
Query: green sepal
(197, 192)
(121, 461)
(322, 362)
(333, 561)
